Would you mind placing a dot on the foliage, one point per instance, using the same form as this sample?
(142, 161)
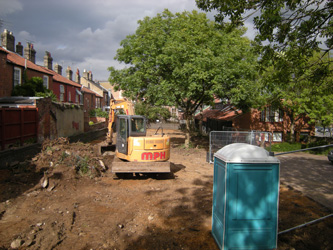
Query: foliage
(47, 93)
(305, 25)
(33, 87)
(29, 88)
(299, 90)
(183, 60)
(152, 113)
(98, 113)
(82, 166)
(285, 147)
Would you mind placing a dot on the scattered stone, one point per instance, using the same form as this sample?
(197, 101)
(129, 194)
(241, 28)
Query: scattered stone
(51, 164)
(50, 188)
(102, 164)
(16, 243)
(120, 225)
(28, 242)
(44, 181)
(150, 217)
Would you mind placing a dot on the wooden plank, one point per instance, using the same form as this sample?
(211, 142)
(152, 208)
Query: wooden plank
(141, 167)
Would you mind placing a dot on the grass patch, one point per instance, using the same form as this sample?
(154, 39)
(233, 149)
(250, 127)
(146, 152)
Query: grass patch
(286, 147)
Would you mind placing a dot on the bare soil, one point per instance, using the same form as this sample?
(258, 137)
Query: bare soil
(65, 198)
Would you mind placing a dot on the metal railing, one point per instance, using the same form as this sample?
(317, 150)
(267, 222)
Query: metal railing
(219, 139)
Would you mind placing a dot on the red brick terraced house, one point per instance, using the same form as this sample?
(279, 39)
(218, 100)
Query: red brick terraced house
(267, 120)
(13, 64)
(91, 101)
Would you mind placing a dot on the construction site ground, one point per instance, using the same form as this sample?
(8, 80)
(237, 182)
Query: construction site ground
(66, 198)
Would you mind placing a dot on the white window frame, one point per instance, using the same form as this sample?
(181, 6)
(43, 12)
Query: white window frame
(98, 102)
(17, 76)
(277, 136)
(270, 114)
(62, 91)
(46, 81)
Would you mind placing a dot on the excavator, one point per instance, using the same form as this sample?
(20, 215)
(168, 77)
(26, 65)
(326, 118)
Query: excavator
(135, 151)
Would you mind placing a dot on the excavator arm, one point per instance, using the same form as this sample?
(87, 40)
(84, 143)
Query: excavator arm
(124, 105)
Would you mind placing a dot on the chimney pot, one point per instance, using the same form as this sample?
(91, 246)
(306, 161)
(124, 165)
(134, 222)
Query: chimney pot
(77, 76)
(48, 60)
(8, 40)
(58, 69)
(19, 49)
(30, 53)
(69, 73)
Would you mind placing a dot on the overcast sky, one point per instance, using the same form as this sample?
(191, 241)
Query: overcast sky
(81, 34)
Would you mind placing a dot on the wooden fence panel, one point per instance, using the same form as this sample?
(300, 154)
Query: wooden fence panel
(17, 125)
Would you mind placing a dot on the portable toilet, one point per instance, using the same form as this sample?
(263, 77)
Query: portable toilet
(245, 197)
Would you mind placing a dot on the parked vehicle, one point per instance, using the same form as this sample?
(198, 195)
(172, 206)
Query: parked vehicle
(330, 156)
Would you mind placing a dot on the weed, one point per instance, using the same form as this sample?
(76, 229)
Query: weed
(82, 166)
(63, 156)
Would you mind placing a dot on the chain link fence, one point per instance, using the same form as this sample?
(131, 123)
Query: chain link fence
(219, 139)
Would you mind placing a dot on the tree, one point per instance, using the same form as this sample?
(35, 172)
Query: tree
(183, 60)
(290, 36)
(295, 89)
(305, 23)
(152, 113)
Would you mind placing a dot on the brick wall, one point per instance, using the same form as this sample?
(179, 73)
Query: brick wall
(47, 126)
(6, 76)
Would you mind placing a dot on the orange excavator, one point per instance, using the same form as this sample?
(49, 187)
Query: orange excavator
(138, 153)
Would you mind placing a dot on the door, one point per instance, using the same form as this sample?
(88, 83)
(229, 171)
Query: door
(122, 134)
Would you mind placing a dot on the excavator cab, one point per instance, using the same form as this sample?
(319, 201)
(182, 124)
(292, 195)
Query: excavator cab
(129, 126)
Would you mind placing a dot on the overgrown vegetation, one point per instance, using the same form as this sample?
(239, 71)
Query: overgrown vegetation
(152, 113)
(98, 113)
(33, 87)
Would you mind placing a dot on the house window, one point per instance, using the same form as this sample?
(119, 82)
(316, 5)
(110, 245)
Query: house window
(62, 92)
(69, 96)
(76, 98)
(81, 99)
(270, 114)
(277, 137)
(98, 102)
(17, 76)
(46, 82)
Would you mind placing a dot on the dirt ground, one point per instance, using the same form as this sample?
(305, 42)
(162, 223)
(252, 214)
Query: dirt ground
(65, 198)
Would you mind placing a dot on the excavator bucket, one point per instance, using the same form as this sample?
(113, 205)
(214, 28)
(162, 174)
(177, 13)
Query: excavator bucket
(104, 147)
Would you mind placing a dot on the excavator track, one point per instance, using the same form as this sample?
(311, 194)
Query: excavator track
(140, 167)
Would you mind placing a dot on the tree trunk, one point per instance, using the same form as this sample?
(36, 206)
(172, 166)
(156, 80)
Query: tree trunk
(187, 132)
(292, 130)
(201, 120)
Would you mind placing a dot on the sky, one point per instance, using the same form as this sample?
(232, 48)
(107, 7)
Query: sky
(82, 34)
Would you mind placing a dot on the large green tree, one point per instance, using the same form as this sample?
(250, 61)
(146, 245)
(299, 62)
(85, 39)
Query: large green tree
(184, 60)
(295, 40)
(305, 23)
(298, 90)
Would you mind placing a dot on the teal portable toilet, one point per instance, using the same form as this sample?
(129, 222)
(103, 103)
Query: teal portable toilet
(245, 197)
